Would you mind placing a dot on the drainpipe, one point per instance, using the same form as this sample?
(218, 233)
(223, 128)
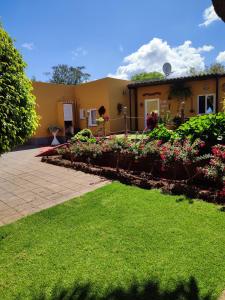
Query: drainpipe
(130, 99)
(136, 109)
(217, 94)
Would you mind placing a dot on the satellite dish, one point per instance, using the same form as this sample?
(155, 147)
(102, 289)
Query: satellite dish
(167, 69)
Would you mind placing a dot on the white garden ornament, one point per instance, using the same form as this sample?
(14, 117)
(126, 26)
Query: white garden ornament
(54, 130)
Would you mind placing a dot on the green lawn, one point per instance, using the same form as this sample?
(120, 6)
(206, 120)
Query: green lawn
(118, 242)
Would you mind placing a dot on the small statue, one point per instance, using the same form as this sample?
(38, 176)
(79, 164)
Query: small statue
(54, 131)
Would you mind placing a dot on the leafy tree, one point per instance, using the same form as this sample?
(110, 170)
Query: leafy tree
(18, 118)
(215, 68)
(146, 76)
(68, 75)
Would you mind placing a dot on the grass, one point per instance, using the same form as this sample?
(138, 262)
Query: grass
(119, 242)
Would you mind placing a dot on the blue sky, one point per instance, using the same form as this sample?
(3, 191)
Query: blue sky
(114, 37)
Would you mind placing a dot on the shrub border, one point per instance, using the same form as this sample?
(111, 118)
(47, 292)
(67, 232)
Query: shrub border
(142, 180)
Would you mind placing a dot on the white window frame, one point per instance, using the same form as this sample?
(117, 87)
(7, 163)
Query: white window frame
(206, 96)
(82, 114)
(90, 121)
(146, 102)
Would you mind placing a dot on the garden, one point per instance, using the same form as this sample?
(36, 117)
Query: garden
(189, 160)
(119, 242)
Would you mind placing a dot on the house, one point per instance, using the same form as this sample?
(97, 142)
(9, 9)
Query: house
(74, 107)
(207, 93)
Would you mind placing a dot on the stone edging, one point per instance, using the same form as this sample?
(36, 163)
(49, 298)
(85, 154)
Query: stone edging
(142, 180)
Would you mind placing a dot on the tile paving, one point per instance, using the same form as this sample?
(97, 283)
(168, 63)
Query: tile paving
(27, 185)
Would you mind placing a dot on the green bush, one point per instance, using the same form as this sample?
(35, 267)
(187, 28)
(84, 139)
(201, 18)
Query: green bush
(84, 136)
(88, 150)
(161, 133)
(18, 118)
(209, 128)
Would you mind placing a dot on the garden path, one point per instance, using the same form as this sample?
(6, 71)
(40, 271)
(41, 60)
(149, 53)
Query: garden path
(27, 185)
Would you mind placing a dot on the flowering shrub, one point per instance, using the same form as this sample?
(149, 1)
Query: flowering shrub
(178, 151)
(152, 148)
(215, 171)
(89, 150)
(138, 148)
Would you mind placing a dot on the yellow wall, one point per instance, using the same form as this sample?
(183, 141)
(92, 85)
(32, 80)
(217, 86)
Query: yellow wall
(198, 88)
(118, 93)
(105, 92)
(91, 95)
(49, 100)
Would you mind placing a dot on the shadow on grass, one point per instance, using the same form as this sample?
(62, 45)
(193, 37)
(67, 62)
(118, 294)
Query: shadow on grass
(148, 291)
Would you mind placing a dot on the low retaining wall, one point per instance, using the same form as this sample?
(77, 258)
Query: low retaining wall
(140, 179)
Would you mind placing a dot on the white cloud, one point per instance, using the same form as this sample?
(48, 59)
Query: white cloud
(28, 46)
(209, 16)
(80, 51)
(221, 57)
(205, 48)
(151, 57)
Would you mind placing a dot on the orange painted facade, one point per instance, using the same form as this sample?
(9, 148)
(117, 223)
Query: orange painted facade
(87, 98)
(173, 106)
(50, 100)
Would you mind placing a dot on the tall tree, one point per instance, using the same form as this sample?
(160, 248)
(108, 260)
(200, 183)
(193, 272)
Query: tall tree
(18, 118)
(146, 76)
(68, 75)
(215, 68)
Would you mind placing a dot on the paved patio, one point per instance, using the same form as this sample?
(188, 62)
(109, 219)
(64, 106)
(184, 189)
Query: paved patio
(27, 185)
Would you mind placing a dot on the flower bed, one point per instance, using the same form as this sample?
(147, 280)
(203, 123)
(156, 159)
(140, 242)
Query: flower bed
(173, 165)
(142, 179)
(171, 160)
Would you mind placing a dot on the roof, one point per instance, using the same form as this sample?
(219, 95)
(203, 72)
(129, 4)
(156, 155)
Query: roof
(153, 82)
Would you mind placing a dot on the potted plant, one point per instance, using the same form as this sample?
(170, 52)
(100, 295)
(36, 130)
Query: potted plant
(54, 129)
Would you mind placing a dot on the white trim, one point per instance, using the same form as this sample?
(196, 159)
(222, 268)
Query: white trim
(150, 100)
(90, 121)
(206, 96)
(68, 111)
(82, 114)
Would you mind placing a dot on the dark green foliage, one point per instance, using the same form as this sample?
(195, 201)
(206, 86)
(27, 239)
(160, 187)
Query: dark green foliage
(209, 128)
(18, 118)
(177, 121)
(149, 290)
(161, 133)
(180, 90)
(84, 135)
(65, 74)
(147, 76)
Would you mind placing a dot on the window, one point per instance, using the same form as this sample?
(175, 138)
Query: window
(206, 104)
(92, 117)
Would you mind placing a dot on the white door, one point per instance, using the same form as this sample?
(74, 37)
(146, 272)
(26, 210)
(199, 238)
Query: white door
(151, 105)
(68, 112)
